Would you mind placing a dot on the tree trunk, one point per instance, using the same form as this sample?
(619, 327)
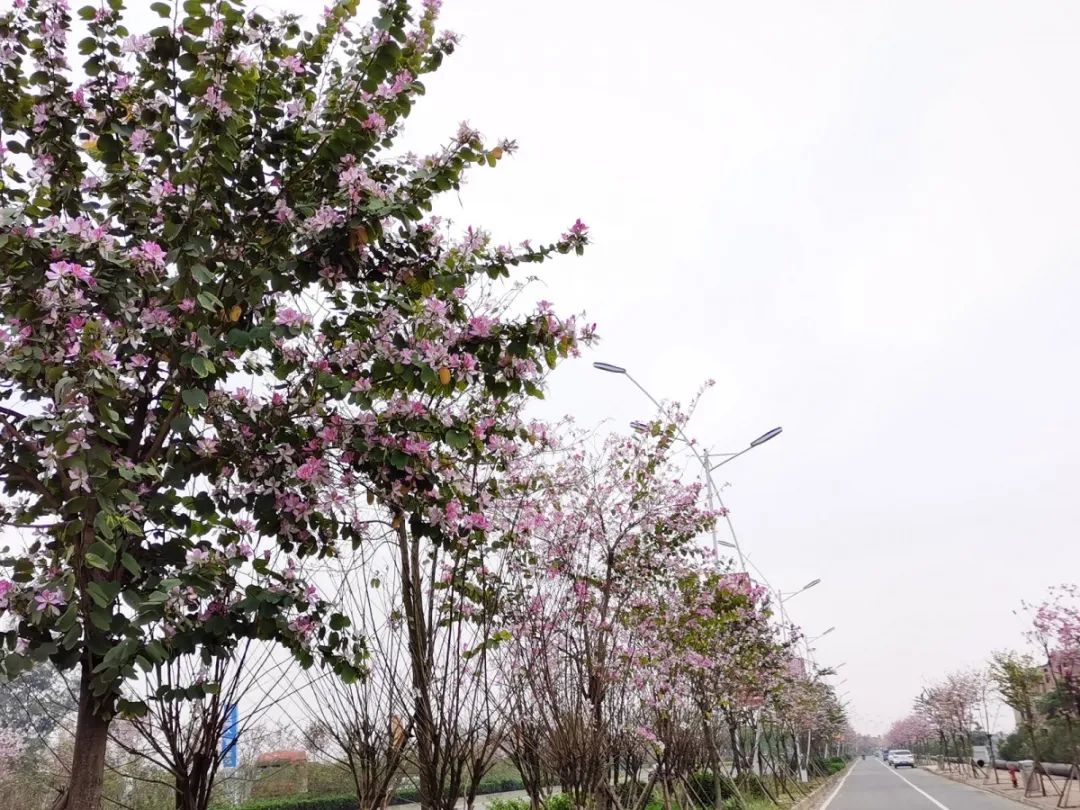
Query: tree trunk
(85, 783)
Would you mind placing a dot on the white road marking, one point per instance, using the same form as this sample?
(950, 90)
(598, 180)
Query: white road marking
(832, 796)
(896, 773)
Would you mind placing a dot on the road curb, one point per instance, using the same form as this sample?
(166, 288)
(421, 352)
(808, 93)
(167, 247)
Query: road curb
(1018, 799)
(821, 792)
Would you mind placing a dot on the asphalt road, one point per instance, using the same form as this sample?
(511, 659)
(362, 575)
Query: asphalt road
(871, 785)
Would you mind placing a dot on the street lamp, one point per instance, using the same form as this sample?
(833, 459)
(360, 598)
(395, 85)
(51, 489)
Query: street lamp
(703, 459)
(820, 635)
(764, 437)
(787, 597)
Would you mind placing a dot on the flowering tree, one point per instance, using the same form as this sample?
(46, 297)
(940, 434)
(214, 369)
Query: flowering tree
(951, 707)
(716, 643)
(224, 320)
(910, 732)
(606, 535)
(1056, 629)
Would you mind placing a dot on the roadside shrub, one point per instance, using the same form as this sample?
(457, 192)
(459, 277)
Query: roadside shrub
(509, 804)
(559, 801)
(500, 785)
(303, 803)
(703, 788)
(750, 785)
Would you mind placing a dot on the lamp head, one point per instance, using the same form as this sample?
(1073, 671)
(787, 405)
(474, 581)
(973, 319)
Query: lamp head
(764, 437)
(609, 367)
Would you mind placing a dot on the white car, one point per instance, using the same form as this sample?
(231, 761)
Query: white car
(900, 758)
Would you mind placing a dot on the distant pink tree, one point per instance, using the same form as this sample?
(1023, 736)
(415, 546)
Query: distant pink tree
(910, 732)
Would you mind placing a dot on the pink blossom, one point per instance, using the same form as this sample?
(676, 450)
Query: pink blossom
(5, 588)
(187, 305)
(49, 601)
(137, 43)
(477, 520)
(375, 122)
(480, 326)
(324, 218)
(281, 211)
(578, 231)
(213, 99)
(310, 469)
(206, 447)
(140, 140)
(303, 626)
(148, 253)
(59, 270)
(79, 479)
(294, 64)
(290, 317)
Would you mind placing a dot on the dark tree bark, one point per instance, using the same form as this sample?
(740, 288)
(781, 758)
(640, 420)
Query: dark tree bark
(87, 776)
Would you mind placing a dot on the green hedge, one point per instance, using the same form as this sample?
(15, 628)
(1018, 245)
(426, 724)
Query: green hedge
(348, 802)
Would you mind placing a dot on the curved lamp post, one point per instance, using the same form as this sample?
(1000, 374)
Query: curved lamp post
(703, 459)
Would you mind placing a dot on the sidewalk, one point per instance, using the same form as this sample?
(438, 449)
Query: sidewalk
(1004, 788)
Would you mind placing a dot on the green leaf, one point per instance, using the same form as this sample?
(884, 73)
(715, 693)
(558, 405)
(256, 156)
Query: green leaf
(103, 593)
(201, 274)
(201, 366)
(162, 9)
(101, 619)
(156, 651)
(338, 621)
(457, 439)
(94, 561)
(129, 563)
(104, 552)
(71, 637)
(67, 621)
(195, 398)
(208, 300)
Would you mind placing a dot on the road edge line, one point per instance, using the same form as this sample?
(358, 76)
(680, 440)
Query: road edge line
(832, 795)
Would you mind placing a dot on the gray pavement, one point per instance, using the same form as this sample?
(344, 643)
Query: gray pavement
(871, 785)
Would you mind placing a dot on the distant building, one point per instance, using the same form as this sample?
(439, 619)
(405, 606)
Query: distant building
(1060, 665)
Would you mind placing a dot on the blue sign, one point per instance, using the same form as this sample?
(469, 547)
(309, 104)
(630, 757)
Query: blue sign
(230, 757)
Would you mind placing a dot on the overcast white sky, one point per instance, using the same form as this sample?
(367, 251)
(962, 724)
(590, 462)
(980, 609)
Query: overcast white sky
(860, 219)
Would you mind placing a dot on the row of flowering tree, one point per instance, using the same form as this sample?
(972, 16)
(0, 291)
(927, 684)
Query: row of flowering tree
(258, 404)
(585, 637)
(628, 646)
(1041, 687)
